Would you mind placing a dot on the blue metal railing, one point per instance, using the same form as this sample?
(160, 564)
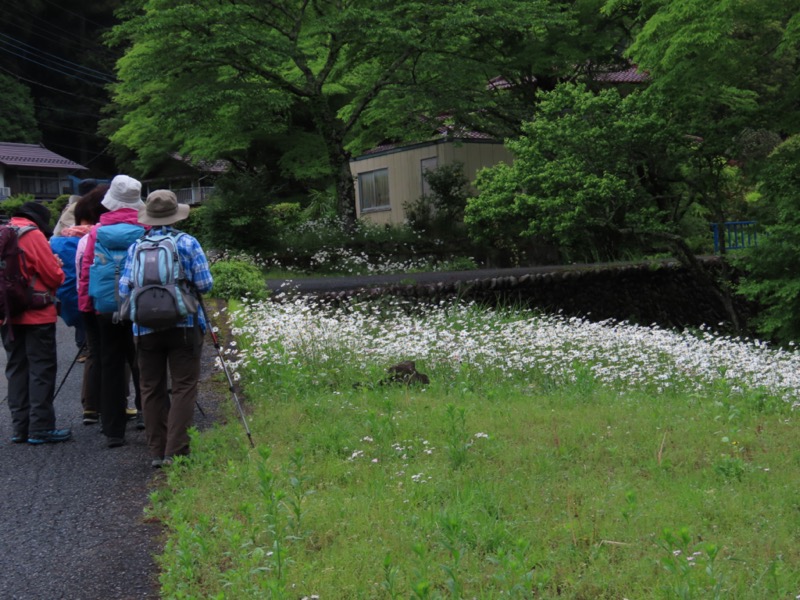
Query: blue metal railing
(738, 235)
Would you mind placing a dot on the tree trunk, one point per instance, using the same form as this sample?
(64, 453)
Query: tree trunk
(330, 128)
(345, 190)
(721, 289)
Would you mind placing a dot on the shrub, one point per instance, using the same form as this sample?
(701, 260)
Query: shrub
(10, 205)
(237, 216)
(441, 213)
(57, 206)
(195, 224)
(770, 269)
(237, 279)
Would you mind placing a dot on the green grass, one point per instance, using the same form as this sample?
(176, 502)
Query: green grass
(569, 491)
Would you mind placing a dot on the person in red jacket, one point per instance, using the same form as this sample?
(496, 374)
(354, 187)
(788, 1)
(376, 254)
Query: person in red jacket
(30, 338)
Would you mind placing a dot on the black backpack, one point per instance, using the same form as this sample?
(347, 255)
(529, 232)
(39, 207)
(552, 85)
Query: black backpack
(16, 290)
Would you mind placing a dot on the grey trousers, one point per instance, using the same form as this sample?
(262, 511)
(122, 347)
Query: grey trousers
(31, 369)
(171, 355)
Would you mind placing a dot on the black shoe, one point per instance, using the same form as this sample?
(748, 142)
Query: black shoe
(139, 421)
(115, 442)
(19, 438)
(90, 417)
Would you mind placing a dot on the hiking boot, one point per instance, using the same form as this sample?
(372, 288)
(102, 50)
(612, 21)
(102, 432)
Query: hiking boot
(140, 421)
(115, 442)
(90, 417)
(49, 437)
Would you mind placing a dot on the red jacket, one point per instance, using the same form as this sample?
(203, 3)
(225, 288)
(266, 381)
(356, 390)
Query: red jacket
(39, 261)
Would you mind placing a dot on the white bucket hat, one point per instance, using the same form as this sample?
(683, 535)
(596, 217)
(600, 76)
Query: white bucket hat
(124, 192)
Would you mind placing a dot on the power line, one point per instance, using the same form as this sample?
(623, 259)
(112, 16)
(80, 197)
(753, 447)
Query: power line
(55, 89)
(66, 110)
(73, 130)
(24, 47)
(70, 34)
(51, 3)
(29, 27)
(103, 152)
(56, 68)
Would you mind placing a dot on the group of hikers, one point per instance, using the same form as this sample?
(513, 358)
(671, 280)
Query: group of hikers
(131, 285)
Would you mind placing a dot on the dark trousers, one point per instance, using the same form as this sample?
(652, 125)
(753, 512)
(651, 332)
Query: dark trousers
(163, 355)
(116, 349)
(90, 390)
(31, 367)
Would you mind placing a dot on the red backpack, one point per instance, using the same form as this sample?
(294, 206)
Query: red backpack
(16, 290)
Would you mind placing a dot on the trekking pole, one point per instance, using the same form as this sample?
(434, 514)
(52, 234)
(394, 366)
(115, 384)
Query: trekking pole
(74, 360)
(227, 373)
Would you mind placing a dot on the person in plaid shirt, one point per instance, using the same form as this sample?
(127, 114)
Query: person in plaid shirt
(172, 353)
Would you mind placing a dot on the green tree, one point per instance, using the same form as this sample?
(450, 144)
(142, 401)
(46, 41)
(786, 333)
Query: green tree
(322, 80)
(771, 268)
(589, 171)
(599, 175)
(17, 117)
(725, 65)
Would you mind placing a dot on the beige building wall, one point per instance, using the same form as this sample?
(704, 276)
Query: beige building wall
(405, 171)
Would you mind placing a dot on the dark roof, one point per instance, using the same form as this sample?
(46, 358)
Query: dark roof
(34, 155)
(629, 75)
(218, 166)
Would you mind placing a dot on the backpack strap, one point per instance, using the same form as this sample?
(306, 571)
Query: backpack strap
(20, 232)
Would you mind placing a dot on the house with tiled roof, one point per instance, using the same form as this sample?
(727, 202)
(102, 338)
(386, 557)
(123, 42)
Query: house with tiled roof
(389, 176)
(191, 180)
(33, 169)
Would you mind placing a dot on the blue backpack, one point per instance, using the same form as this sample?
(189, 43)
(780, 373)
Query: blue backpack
(110, 252)
(161, 295)
(67, 294)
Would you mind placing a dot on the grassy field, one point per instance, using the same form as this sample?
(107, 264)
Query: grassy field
(546, 458)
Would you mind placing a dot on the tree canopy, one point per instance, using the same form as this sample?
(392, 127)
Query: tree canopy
(17, 116)
(322, 80)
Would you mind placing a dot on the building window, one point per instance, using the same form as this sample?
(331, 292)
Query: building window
(373, 188)
(43, 183)
(425, 165)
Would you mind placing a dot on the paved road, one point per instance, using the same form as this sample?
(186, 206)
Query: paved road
(314, 285)
(335, 284)
(71, 514)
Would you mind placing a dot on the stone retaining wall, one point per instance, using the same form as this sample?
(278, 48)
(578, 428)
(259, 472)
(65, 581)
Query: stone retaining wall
(662, 293)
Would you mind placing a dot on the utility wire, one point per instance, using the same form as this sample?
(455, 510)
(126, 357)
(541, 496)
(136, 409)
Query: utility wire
(51, 3)
(22, 46)
(55, 89)
(72, 129)
(104, 152)
(66, 110)
(70, 35)
(57, 68)
(34, 30)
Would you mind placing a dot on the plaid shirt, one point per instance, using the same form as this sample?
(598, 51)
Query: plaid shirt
(195, 267)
